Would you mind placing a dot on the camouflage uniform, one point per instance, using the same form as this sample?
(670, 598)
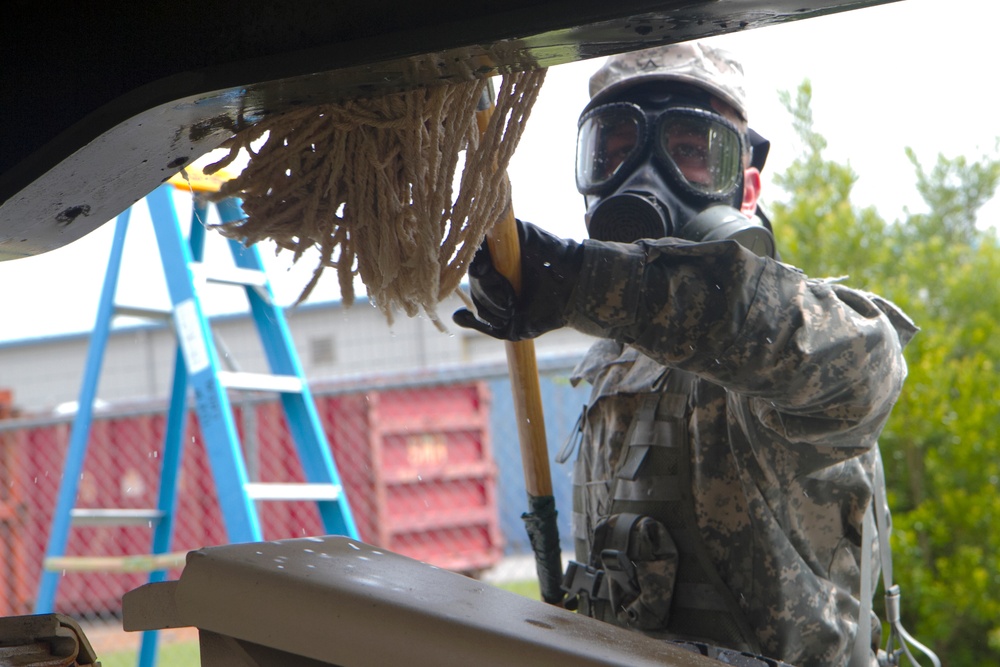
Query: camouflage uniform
(780, 386)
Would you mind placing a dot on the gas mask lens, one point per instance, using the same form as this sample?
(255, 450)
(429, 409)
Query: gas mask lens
(705, 152)
(701, 149)
(608, 138)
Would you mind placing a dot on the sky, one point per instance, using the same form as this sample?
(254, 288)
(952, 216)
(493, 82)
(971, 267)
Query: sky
(914, 73)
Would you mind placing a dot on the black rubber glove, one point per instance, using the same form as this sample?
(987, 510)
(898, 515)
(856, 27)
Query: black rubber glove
(549, 267)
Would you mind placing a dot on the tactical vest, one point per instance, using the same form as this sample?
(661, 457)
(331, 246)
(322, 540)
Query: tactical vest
(648, 566)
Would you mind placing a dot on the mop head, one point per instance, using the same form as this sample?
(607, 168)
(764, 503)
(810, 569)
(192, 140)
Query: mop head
(369, 184)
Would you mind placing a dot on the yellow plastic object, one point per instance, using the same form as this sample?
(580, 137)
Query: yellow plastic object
(193, 179)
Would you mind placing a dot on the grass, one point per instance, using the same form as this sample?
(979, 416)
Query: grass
(178, 654)
(528, 588)
(186, 654)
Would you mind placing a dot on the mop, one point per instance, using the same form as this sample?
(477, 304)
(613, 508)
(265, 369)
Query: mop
(369, 184)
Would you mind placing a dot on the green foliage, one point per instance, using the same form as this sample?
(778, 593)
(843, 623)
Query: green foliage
(831, 236)
(942, 444)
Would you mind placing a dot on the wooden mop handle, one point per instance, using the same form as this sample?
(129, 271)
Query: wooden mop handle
(523, 368)
(505, 248)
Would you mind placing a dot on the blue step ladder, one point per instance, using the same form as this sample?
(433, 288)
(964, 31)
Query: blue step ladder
(197, 368)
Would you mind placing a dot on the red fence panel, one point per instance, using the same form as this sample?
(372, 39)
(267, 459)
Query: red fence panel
(416, 465)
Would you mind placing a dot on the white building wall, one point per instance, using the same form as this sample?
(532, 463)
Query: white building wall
(332, 342)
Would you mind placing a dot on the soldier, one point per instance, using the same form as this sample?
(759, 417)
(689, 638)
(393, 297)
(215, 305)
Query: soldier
(728, 455)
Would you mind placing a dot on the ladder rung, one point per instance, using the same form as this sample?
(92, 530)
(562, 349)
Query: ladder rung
(115, 517)
(141, 563)
(157, 314)
(292, 491)
(287, 384)
(198, 342)
(230, 275)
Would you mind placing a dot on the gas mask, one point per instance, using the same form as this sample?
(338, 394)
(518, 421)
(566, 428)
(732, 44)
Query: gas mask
(665, 166)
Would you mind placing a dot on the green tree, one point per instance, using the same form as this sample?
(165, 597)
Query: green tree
(830, 236)
(942, 445)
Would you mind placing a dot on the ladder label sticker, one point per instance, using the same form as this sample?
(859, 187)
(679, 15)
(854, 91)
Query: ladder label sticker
(189, 334)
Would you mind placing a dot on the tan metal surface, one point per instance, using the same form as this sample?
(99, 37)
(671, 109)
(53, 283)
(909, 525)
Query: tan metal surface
(334, 600)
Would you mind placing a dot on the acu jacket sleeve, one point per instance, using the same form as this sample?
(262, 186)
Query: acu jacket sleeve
(820, 363)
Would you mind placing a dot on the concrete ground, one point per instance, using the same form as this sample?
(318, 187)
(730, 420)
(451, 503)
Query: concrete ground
(511, 568)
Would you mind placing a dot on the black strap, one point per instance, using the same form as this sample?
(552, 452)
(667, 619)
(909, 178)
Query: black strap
(574, 438)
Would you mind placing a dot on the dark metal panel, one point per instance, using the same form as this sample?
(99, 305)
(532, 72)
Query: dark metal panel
(100, 105)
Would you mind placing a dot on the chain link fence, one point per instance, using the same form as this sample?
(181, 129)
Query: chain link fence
(430, 463)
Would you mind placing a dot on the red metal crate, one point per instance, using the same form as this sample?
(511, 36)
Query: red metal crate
(422, 458)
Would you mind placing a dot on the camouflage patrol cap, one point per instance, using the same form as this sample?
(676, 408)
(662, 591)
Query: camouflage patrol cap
(694, 63)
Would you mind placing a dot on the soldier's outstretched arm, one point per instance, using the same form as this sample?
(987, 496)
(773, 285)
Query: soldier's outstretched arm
(818, 359)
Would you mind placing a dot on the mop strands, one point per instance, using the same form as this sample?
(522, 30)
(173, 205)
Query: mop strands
(369, 184)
